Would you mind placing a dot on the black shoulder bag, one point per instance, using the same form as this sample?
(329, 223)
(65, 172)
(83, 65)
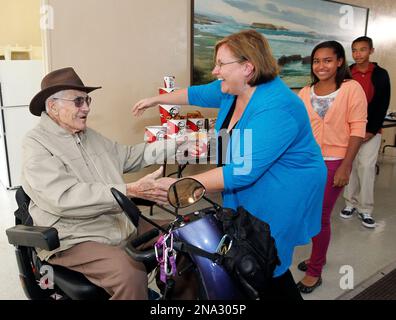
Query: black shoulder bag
(251, 257)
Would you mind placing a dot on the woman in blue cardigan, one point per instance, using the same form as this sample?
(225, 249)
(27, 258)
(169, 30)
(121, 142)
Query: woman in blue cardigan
(273, 166)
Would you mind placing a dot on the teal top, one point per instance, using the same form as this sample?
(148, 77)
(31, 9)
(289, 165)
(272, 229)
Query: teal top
(274, 167)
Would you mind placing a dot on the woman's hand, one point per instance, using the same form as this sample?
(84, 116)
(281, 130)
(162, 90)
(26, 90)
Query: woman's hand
(142, 105)
(341, 177)
(149, 187)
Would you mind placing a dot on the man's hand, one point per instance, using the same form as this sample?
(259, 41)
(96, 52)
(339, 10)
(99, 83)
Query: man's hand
(142, 105)
(368, 136)
(149, 188)
(166, 182)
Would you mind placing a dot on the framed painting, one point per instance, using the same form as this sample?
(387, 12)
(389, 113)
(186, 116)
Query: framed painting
(292, 27)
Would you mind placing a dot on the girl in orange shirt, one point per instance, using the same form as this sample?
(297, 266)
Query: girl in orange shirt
(337, 110)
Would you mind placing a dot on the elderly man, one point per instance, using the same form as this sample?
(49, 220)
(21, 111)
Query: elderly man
(68, 170)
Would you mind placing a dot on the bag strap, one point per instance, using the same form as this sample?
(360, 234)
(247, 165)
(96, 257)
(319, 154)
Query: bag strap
(188, 248)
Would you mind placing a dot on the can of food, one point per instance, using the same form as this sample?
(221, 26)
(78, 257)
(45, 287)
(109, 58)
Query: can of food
(200, 140)
(176, 127)
(166, 90)
(203, 143)
(168, 111)
(210, 124)
(196, 124)
(154, 133)
(169, 81)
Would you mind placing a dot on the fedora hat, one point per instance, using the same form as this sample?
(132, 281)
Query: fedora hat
(55, 81)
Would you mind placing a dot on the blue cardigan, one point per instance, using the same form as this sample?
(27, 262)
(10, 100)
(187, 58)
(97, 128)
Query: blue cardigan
(274, 167)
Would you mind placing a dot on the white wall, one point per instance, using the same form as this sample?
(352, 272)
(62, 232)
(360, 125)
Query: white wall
(19, 22)
(127, 46)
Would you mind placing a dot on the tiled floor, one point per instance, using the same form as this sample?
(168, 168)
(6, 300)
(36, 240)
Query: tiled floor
(365, 251)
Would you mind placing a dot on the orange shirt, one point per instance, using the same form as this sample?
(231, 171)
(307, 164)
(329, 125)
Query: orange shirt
(346, 117)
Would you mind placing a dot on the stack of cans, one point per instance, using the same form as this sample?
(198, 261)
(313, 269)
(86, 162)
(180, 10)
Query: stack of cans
(171, 122)
(173, 125)
(168, 112)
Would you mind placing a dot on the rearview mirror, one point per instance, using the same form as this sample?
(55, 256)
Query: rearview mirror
(185, 192)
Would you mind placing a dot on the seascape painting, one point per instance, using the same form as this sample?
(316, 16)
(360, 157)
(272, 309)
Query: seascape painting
(292, 27)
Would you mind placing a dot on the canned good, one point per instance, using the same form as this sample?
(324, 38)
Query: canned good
(210, 124)
(166, 90)
(176, 127)
(168, 112)
(154, 133)
(200, 140)
(196, 124)
(169, 81)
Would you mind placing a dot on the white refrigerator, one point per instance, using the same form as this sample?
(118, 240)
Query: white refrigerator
(19, 81)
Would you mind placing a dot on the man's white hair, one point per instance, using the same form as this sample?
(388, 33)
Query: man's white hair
(58, 94)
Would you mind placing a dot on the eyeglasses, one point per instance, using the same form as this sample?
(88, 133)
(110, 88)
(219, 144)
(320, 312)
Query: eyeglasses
(79, 101)
(220, 64)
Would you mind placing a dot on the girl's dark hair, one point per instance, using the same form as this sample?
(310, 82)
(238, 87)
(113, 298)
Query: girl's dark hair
(343, 71)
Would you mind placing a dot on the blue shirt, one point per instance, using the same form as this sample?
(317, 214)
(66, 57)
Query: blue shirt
(276, 170)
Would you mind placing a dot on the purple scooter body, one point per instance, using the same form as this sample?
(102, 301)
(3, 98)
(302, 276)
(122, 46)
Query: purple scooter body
(200, 229)
(205, 234)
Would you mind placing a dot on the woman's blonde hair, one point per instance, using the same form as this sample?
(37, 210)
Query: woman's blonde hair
(249, 45)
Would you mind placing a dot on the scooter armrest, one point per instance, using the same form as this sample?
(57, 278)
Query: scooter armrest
(142, 202)
(145, 256)
(33, 236)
